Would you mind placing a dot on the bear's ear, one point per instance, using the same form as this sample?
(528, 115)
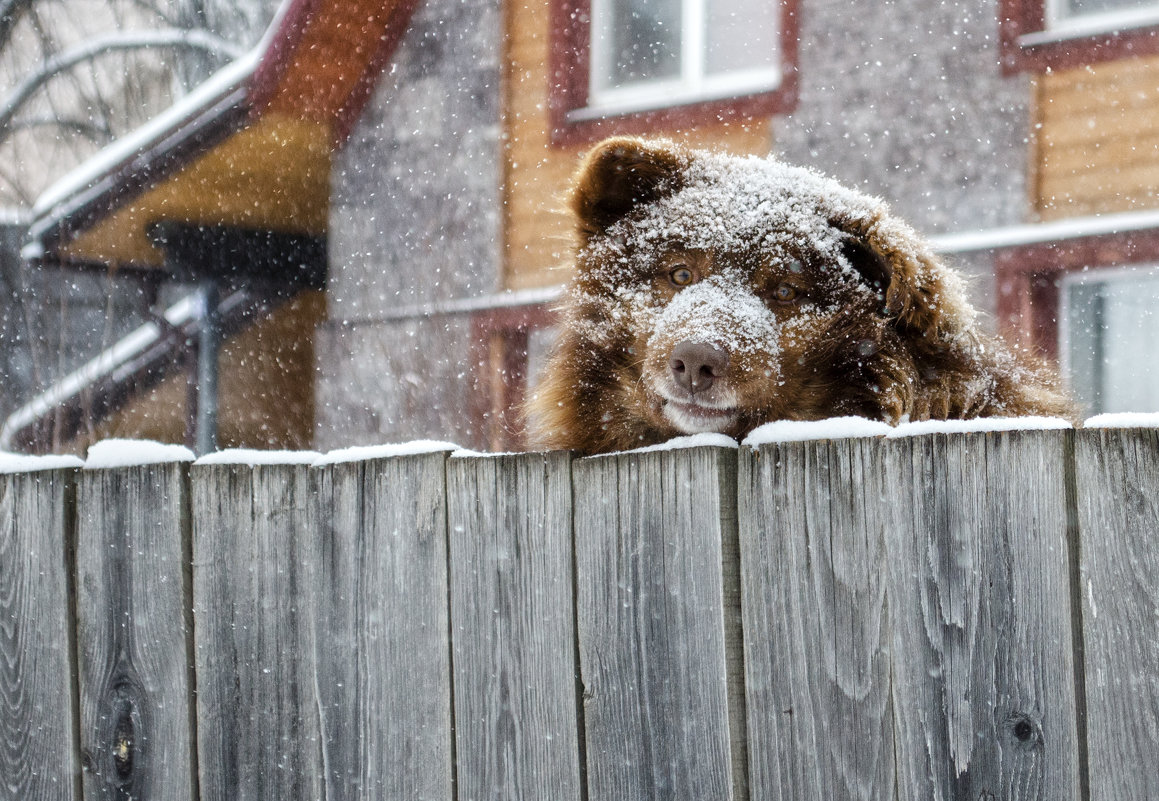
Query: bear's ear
(619, 174)
(920, 294)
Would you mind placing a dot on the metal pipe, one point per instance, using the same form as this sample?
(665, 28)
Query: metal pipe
(208, 350)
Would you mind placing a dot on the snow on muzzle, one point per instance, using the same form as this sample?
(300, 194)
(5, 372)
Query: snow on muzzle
(707, 339)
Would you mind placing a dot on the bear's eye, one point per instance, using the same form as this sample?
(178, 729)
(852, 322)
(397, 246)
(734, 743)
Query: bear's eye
(785, 293)
(681, 276)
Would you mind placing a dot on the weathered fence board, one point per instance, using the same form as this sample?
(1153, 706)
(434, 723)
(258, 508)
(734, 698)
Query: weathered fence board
(814, 570)
(983, 659)
(650, 532)
(914, 605)
(255, 558)
(384, 678)
(1118, 516)
(513, 627)
(38, 752)
(133, 631)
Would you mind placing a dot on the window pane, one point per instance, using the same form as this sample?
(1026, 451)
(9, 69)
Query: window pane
(1114, 340)
(644, 40)
(1074, 8)
(740, 34)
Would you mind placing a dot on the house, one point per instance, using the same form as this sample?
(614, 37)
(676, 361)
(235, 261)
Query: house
(382, 178)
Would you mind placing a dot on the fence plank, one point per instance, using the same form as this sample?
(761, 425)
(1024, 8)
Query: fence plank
(1117, 475)
(512, 627)
(981, 591)
(816, 622)
(255, 558)
(651, 529)
(133, 630)
(383, 653)
(926, 633)
(38, 758)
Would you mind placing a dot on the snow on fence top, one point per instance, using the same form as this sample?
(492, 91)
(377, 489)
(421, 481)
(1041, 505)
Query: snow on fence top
(126, 453)
(134, 452)
(363, 452)
(23, 463)
(803, 430)
(1124, 420)
(978, 425)
(254, 458)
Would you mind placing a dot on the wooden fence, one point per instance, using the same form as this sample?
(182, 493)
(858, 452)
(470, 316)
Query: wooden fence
(970, 616)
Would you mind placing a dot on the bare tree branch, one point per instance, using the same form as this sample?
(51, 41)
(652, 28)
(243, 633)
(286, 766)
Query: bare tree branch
(132, 40)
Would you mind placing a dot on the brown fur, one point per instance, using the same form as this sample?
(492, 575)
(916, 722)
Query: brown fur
(878, 326)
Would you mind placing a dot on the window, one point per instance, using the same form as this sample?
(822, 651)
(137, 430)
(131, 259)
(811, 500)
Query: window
(645, 53)
(642, 63)
(1107, 339)
(1060, 34)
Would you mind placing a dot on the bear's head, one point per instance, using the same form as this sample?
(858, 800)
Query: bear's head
(716, 292)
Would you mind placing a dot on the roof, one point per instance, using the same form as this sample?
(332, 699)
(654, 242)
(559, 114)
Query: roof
(249, 148)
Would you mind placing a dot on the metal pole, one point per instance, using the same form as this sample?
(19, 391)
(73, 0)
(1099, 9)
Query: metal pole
(208, 349)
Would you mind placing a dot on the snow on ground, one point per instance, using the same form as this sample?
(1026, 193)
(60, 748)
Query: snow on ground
(248, 456)
(977, 425)
(1124, 420)
(361, 453)
(802, 430)
(132, 452)
(23, 463)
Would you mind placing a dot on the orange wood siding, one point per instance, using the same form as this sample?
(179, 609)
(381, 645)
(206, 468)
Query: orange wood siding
(274, 174)
(1097, 147)
(537, 231)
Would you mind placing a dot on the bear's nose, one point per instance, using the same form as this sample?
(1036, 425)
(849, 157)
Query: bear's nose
(695, 365)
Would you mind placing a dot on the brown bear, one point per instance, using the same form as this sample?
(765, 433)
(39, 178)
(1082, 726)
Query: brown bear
(714, 293)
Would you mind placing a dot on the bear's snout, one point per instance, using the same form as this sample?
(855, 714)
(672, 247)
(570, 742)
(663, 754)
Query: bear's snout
(696, 365)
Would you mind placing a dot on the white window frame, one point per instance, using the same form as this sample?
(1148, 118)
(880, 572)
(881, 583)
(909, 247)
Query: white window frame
(1060, 25)
(1090, 276)
(692, 86)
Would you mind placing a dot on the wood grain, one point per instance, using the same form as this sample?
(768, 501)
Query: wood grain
(1095, 130)
(1117, 477)
(513, 635)
(384, 676)
(38, 716)
(255, 560)
(650, 533)
(133, 633)
(980, 586)
(816, 621)
(908, 619)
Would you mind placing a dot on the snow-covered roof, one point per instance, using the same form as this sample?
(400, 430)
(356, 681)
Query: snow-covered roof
(270, 94)
(225, 88)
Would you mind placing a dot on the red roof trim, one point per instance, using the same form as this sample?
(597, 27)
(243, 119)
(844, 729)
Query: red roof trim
(279, 55)
(355, 102)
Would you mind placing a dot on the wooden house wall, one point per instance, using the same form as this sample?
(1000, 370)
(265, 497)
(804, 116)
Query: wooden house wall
(1097, 144)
